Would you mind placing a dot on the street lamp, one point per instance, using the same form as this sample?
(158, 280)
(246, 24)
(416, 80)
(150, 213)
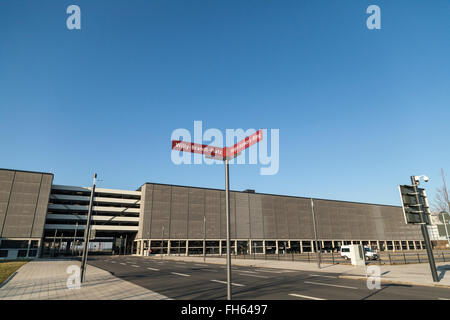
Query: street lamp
(415, 180)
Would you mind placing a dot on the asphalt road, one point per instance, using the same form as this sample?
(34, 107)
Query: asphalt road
(198, 281)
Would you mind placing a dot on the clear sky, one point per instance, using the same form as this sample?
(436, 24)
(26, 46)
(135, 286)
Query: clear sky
(358, 110)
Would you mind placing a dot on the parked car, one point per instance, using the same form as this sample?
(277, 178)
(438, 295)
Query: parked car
(368, 253)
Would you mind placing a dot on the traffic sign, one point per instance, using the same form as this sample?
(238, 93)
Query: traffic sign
(217, 152)
(244, 144)
(413, 210)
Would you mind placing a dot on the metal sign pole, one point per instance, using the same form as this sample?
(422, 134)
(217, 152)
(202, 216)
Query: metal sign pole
(86, 232)
(424, 228)
(227, 209)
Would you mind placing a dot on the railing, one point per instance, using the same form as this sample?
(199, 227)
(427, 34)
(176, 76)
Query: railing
(335, 257)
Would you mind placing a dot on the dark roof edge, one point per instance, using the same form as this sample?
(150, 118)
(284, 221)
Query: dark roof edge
(27, 171)
(269, 194)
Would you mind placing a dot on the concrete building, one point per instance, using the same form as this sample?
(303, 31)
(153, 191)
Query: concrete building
(39, 218)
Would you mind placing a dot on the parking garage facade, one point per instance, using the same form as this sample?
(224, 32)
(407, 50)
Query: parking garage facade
(41, 219)
(184, 220)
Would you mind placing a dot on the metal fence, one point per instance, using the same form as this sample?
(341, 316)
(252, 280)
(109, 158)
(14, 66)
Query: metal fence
(335, 257)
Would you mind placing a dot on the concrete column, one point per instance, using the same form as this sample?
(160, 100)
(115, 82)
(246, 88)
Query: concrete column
(301, 246)
(250, 246)
(276, 246)
(312, 246)
(220, 247)
(187, 248)
(235, 246)
(415, 247)
(289, 244)
(168, 247)
(323, 244)
(264, 246)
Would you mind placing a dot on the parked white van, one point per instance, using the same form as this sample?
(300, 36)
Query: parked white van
(368, 252)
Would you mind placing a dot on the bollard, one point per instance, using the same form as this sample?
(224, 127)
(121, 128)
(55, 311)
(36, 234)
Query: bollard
(418, 257)
(404, 258)
(390, 261)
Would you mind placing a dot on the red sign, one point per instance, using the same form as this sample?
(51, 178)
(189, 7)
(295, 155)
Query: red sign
(244, 144)
(197, 148)
(216, 152)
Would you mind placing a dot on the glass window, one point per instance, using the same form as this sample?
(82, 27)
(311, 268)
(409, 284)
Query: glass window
(22, 253)
(3, 253)
(14, 244)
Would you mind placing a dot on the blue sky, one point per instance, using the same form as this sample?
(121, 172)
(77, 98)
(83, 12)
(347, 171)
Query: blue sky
(358, 110)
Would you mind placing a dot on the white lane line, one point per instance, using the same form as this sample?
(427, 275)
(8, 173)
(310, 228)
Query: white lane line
(210, 270)
(224, 282)
(113, 262)
(181, 274)
(247, 271)
(153, 269)
(330, 285)
(305, 297)
(133, 265)
(123, 263)
(200, 265)
(252, 275)
(443, 299)
(319, 275)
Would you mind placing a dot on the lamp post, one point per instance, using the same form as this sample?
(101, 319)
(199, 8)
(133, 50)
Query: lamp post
(204, 238)
(415, 180)
(87, 230)
(315, 233)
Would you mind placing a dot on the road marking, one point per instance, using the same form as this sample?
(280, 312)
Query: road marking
(305, 297)
(319, 275)
(224, 282)
(153, 269)
(180, 263)
(443, 299)
(210, 270)
(113, 262)
(252, 275)
(200, 265)
(133, 265)
(123, 263)
(247, 271)
(181, 274)
(330, 285)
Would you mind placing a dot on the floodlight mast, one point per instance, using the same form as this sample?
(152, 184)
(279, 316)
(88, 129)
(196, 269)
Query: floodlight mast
(415, 180)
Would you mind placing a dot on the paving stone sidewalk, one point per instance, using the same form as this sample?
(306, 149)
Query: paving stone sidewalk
(47, 280)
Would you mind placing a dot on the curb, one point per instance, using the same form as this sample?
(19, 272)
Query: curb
(397, 282)
(7, 280)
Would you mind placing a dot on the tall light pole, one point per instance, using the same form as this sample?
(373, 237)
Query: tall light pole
(87, 232)
(204, 238)
(415, 182)
(315, 233)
